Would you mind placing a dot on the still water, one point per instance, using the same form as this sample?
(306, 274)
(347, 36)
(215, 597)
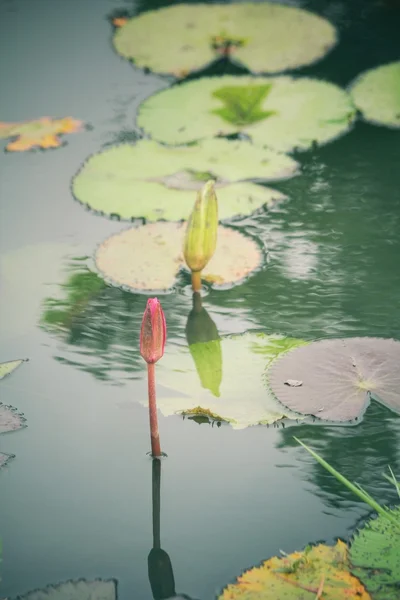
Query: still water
(76, 502)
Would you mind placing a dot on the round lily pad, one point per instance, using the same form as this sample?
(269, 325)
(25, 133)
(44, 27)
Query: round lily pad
(265, 37)
(338, 377)
(80, 589)
(376, 93)
(149, 258)
(232, 388)
(282, 112)
(155, 182)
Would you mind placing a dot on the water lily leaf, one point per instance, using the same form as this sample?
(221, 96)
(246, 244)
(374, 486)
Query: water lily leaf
(375, 557)
(8, 367)
(155, 182)
(243, 399)
(317, 572)
(149, 258)
(10, 419)
(263, 37)
(376, 93)
(41, 133)
(281, 112)
(338, 376)
(4, 458)
(76, 590)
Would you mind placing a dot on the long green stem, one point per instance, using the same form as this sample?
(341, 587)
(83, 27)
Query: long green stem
(155, 437)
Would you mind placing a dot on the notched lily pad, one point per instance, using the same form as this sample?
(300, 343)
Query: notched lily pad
(81, 589)
(339, 376)
(42, 133)
(376, 93)
(265, 37)
(243, 398)
(149, 258)
(156, 182)
(282, 112)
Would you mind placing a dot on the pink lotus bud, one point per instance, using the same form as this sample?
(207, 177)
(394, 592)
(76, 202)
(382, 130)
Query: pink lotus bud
(153, 332)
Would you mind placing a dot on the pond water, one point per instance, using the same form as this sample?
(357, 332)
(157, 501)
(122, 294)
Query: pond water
(76, 501)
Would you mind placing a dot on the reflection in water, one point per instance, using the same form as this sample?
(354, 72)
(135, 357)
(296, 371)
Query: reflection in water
(205, 346)
(361, 453)
(76, 590)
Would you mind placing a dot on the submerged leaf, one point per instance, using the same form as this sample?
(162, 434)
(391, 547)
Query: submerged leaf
(265, 37)
(376, 93)
(282, 112)
(43, 133)
(339, 376)
(375, 557)
(155, 182)
(80, 589)
(298, 576)
(149, 258)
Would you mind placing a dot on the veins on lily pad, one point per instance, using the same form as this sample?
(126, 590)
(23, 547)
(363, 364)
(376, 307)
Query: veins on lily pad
(243, 104)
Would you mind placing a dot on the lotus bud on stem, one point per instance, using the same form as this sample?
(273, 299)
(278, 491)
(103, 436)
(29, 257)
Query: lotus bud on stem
(153, 334)
(201, 233)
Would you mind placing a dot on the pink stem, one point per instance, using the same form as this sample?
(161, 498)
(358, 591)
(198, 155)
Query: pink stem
(155, 437)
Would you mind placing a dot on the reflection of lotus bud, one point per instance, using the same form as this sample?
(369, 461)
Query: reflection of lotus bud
(205, 346)
(153, 332)
(201, 232)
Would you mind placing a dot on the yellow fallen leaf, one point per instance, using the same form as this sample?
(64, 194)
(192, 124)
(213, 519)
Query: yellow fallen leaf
(40, 133)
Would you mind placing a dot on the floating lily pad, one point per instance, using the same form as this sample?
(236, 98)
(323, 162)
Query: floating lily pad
(281, 112)
(149, 258)
(262, 37)
(8, 367)
(10, 419)
(338, 377)
(243, 398)
(155, 182)
(4, 458)
(317, 572)
(76, 590)
(42, 133)
(376, 93)
(375, 557)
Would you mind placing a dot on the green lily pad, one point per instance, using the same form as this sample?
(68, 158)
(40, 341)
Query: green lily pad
(375, 557)
(8, 367)
(149, 258)
(376, 93)
(338, 377)
(265, 38)
(281, 112)
(243, 398)
(80, 589)
(155, 182)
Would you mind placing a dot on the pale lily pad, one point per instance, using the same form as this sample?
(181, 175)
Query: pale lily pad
(149, 258)
(76, 590)
(281, 112)
(10, 419)
(376, 93)
(375, 557)
(4, 458)
(243, 399)
(8, 367)
(264, 37)
(155, 182)
(338, 377)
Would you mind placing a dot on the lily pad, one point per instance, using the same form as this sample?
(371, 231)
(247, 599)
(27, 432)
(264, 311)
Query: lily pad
(282, 112)
(76, 590)
(317, 572)
(339, 376)
(375, 557)
(264, 37)
(155, 182)
(149, 258)
(243, 399)
(42, 133)
(8, 367)
(4, 458)
(376, 93)
(10, 419)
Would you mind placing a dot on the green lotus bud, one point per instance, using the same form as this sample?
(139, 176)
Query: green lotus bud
(201, 232)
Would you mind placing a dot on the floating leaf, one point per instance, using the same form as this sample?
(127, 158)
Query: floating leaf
(4, 458)
(151, 181)
(375, 557)
(376, 93)
(149, 258)
(243, 399)
(263, 37)
(317, 572)
(41, 133)
(295, 113)
(338, 377)
(10, 419)
(76, 590)
(8, 367)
